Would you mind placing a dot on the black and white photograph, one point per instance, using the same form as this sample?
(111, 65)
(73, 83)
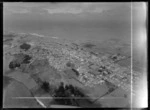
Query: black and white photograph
(75, 55)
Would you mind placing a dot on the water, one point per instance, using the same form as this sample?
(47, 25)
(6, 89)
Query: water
(79, 29)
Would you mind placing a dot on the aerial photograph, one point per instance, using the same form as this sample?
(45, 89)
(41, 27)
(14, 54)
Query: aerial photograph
(74, 55)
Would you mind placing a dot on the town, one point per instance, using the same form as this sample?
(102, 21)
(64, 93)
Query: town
(92, 70)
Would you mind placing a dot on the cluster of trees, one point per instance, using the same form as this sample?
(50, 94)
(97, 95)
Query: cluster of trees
(27, 59)
(19, 60)
(13, 64)
(25, 46)
(65, 94)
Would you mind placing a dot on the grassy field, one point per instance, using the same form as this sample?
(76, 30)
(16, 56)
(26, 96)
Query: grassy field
(14, 90)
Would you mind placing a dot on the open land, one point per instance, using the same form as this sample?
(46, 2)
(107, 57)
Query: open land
(83, 74)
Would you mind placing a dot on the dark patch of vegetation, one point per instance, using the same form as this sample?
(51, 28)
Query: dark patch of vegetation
(88, 45)
(45, 86)
(114, 58)
(25, 46)
(20, 59)
(27, 59)
(70, 95)
(64, 95)
(13, 65)
(69, 64)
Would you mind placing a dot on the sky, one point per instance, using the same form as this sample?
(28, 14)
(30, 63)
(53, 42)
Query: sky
(86, 20)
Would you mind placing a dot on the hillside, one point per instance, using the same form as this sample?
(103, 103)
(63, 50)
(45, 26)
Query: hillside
(46, 65)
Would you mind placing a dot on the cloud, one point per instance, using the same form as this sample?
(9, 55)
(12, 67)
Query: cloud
(60, 8)
(21, 8)
(64, 11)
(22, 5)
(13, 10)
(75, 8)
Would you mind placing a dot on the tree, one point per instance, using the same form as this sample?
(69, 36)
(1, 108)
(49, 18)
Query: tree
(27, 59)
(13, 65)
(25, 46)
(45, 86)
